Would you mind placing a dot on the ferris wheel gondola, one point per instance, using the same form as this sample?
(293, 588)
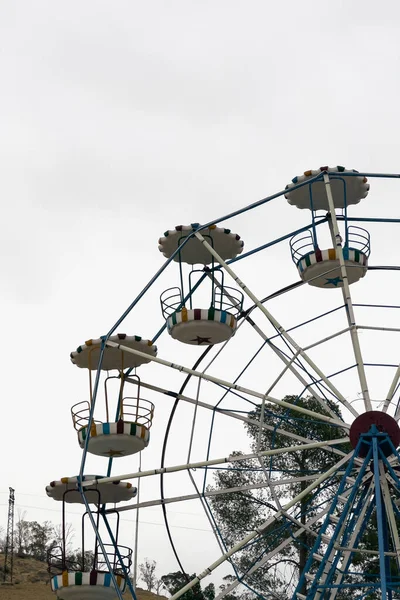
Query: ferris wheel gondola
(218, 321)
(322, 267)
(129, 433)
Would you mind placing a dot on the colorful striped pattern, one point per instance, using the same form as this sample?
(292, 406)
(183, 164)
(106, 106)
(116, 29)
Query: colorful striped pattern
(198, 314)
(75, 578)
(120, 427)
(324, 255)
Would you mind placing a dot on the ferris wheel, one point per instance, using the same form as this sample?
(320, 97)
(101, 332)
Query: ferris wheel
(288, 347)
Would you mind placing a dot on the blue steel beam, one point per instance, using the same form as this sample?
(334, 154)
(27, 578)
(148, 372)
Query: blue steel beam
(355, 514)
(379, 515)
(121, 562)
(384, 581)
(342, 518)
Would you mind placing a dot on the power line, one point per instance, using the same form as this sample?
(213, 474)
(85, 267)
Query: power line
(178, 512)
(125, 520)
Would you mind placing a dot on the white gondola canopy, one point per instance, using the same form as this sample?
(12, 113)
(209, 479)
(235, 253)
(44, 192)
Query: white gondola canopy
(345, 190)
(87, 355)
(111, 491)
(225, 243)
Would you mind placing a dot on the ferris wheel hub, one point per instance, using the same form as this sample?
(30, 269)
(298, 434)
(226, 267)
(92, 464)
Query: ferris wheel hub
(383, 422)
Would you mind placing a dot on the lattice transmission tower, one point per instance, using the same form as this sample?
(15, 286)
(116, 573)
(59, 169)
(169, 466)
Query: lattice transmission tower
(9, 550)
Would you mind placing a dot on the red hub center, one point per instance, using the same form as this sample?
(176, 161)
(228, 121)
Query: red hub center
(384, 424)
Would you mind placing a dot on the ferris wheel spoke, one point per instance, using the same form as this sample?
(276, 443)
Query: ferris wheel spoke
(389, 512)
(292, 362)
(228, 384)
(216, 461)
(204, 494)
(290, 365)
(268, 481)
(231, 414)
(337, 241)
(217, 492)
(392, 389)
(287, 337)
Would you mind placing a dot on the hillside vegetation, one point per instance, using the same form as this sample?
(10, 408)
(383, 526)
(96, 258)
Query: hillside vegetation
(31, 582)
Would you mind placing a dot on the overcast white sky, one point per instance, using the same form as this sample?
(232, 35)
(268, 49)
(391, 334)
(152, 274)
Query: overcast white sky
(120, 120)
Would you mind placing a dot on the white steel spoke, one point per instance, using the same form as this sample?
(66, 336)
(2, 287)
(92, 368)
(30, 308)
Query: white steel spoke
(389, 511)
(227, 384)
(292, 368)
(371, 328)
(217, 492)
(214, 461)
(327, 339)
(288, 363)
(393, 385)
(206, 494)
(276, 324)
(259, 530)
(269, 482)
(337, 240)
(291, 480)
(228, 413)
(234, 415)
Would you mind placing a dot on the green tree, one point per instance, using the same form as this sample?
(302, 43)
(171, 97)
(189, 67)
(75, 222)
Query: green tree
(41, 539)
(209, 592)
(227, 580)
(79, 561)
(22, 534)
(147, 571)
(177, 580)
(240, 512)
(2, 539)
